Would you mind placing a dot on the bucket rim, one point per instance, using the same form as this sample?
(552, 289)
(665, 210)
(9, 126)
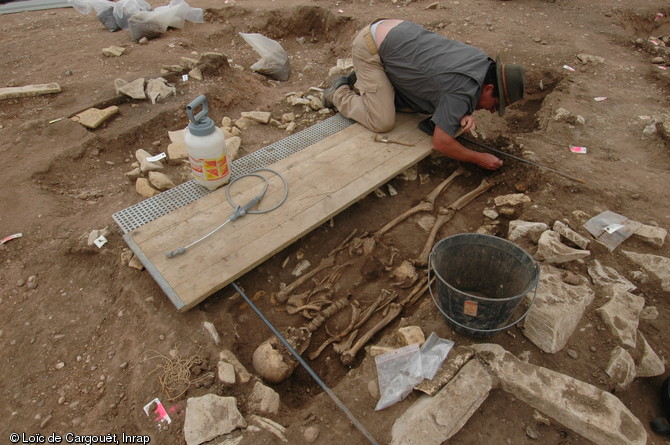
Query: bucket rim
(530, 287)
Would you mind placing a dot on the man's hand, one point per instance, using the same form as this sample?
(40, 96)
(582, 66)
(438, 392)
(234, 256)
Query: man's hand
(453, 149)
(489, 162)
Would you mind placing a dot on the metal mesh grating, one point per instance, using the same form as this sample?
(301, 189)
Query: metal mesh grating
(153, 208)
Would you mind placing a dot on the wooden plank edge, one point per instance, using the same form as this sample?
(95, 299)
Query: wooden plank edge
(155, 274)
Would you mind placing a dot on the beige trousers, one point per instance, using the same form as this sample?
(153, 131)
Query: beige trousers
(371, 102)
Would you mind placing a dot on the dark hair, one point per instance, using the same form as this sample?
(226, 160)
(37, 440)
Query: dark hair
(492, 78)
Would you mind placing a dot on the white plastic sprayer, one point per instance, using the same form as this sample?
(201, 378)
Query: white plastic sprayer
(206, 147)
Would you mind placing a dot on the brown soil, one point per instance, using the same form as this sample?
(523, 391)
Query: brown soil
(105, 321)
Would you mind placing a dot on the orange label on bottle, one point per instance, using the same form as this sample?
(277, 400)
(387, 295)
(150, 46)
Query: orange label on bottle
(209, 169)
(470, 308)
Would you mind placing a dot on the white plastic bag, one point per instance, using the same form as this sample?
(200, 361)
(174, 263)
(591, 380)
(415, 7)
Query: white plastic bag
(398, 371)
(124, 9)
(104, 10)
(176, 13)
(273, 62)
(151, 24)
(433, 353)
(86, 6)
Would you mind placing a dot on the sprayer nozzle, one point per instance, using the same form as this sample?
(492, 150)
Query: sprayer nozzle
(174, 253)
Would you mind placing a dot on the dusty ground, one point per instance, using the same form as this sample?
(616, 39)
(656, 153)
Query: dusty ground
(104, 321)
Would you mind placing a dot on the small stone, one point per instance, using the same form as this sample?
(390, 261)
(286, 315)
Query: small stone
(113, 51)
(134, 89)
(60, 365)
(20, 282)
(143, 187)
(61, 400)
(123, 365)
(532, 432)
(45, 421)
(373, 389)
(195, 73)
(572, 353)
(311, 434)
(160, 181)
(262, 117)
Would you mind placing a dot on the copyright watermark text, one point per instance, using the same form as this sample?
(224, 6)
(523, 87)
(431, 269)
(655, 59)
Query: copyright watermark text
(84, 439)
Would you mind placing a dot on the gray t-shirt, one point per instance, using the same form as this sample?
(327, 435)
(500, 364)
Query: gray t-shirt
(433, 74)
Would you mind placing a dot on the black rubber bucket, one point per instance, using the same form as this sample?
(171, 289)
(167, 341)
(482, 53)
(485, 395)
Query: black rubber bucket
(481, 280)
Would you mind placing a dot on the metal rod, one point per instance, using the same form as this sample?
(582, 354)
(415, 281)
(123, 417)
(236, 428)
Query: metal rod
(304, 364)
(581, 181)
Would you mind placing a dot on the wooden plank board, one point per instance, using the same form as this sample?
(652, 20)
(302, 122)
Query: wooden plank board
(324, 179)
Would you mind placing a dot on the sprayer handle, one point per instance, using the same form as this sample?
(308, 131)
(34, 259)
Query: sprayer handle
(198, 101)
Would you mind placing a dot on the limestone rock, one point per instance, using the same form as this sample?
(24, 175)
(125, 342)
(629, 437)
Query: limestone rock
(657, 266)
(557, 310)
(160, 181)
(188, 62)
(145, 165)
(411, 334)
(195, 73)
(551, 250)
(433, 420)
(244, 123)
(606, 277)
(233, 144)
(262, 117)
(113, 51)
(135, 263)
(212, 63)
(566, 232)
(94, 117)
(311, 434)
(621, 367)
(210, 416)
(513, 200)
(524, 229)
(649, 364)
(490, 213)
(315, 103)
(177, 136)
(622, 315)
(589, 411)
(134, 89)
(226, 372)
(157, 89)
(649, 313)
(264, 399)
(242, 374)
(143, 187)
(211, 329)
(134, 174)
(651, 234)
(177, 152)
(588, 58)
